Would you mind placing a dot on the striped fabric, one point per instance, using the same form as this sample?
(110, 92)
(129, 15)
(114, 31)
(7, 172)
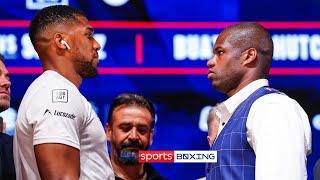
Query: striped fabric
(236, 158)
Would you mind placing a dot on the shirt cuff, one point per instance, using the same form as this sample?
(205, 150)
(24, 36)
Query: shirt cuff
(56, 140)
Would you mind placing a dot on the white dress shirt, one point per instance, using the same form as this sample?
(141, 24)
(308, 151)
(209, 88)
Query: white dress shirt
(278, 131)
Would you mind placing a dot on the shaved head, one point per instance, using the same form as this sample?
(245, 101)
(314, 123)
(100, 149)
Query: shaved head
(242, 53)
(252, 35)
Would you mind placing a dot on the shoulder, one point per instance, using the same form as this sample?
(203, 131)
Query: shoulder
(52, 88)
(47, 86)
(51, 93)
(277, 108)
(276, 100)
(282, 118)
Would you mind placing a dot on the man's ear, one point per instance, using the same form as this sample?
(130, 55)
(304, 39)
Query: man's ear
(58, 37)
(151, 136)
(108, 131)
(249, 56)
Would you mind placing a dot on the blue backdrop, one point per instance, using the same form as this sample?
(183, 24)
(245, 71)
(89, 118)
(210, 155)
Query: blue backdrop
(160, 49)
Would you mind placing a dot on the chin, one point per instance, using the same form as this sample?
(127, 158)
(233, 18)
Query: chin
(4, 106)
(215, 85)
(89, 72)
(95, 63)
(218, 88)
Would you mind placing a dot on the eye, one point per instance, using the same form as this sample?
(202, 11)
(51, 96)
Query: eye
(8, 77)
(125, 128)
(142, 130)
(89, 35)
(219, 52)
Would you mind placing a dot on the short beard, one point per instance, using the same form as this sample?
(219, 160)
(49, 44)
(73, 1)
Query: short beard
(86, 70)
(129, 157)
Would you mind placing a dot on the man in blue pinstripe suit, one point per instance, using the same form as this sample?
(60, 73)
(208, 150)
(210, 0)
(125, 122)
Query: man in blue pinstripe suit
(262, 133)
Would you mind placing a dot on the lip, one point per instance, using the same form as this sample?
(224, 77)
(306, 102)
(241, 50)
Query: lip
(210, 71)
(211, 74)
(4, 92)
(96, 55)
(132, 149)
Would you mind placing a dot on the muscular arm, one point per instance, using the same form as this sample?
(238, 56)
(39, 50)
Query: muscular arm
(57, 161)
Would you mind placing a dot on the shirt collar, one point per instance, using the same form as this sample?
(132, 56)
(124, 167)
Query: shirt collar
(56, 74)
(233, 102)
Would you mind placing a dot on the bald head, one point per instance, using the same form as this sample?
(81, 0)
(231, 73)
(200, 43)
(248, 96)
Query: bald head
(252, 35)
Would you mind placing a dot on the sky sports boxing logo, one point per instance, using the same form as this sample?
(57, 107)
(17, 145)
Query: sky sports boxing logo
(177, 156)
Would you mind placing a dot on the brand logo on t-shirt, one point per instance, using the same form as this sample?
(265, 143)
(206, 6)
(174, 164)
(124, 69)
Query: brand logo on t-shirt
(64, 114)
(46, 111)
(60, 95)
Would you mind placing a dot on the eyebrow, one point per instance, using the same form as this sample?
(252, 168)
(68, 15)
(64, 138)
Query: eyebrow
(125, 124)
(217, 48)
(130, 124)
(89, 28)
(142, 125)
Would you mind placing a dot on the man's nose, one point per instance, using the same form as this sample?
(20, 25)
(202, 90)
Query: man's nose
(212, 61)
(4, 82)
(96, 45)
(133, 134)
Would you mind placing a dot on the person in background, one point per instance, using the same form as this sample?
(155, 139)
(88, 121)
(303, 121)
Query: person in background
(130, 128)
(212, 125)
(7, 170)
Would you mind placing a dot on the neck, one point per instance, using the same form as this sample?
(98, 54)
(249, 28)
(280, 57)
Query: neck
(237, 89)
(247, 79)
(60, 62)
(65, 70)
(128, 172)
